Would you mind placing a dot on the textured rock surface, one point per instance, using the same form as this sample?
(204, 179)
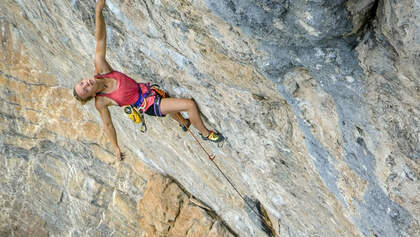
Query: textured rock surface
(319, 101)
(166, 210)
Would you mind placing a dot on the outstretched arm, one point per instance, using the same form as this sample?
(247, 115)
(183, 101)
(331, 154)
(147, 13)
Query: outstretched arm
(101, 65)
(109, 127)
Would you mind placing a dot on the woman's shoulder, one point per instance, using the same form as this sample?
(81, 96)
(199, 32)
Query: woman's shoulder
(103, 101)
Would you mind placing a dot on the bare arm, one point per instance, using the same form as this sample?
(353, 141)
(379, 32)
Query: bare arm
(109, 127)
(101, 65)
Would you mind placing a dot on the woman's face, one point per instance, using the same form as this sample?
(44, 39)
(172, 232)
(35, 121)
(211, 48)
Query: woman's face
(86, 88)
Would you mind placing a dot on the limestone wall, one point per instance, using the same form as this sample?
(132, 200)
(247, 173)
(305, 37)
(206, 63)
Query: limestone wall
(319, 101)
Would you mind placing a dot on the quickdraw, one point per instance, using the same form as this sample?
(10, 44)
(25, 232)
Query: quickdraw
(136, 116)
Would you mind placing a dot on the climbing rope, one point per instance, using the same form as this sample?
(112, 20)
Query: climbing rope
(211, 158)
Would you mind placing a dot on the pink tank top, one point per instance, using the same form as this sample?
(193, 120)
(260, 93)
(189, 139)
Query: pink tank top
(127, 91)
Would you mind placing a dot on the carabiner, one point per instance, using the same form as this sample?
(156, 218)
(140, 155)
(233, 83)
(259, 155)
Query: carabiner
(143, 127)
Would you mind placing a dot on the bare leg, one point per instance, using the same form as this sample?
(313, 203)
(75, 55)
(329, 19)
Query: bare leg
(175, 105)
(178, 117)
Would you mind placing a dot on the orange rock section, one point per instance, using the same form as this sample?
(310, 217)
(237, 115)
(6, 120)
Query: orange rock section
(34, 108)
(37, 98)
(166, 210)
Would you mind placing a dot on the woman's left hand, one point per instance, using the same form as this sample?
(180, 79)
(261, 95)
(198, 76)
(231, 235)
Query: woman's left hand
(100, 4)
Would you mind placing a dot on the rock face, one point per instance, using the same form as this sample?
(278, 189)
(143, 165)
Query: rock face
(319, 101)
(166, 210)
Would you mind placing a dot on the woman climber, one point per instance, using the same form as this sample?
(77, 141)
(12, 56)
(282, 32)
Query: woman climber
(110, 87)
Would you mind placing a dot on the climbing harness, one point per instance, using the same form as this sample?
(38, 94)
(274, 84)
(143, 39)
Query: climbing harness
(159, 91)
(136, 111)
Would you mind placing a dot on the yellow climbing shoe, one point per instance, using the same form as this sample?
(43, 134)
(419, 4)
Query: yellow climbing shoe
(213, 136)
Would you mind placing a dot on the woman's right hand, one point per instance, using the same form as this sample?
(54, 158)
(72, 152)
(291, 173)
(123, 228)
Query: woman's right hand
(120, 156)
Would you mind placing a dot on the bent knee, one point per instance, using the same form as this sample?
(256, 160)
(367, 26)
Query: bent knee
(190, 103)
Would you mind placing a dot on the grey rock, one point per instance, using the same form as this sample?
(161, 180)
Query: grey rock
(319, 101)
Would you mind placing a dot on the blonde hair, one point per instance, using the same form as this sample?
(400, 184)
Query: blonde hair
(82, 101)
